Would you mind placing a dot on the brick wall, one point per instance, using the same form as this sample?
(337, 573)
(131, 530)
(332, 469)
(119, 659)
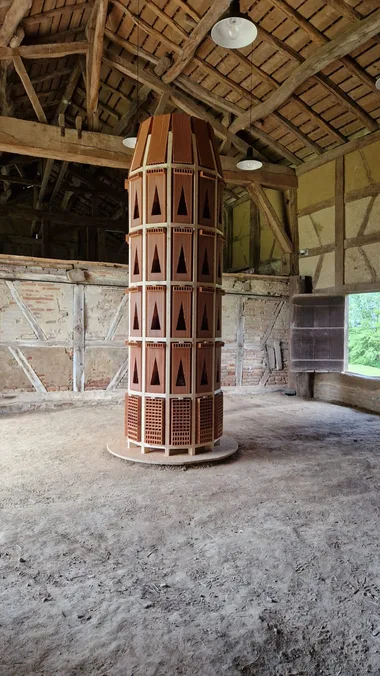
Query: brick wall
(38, 327)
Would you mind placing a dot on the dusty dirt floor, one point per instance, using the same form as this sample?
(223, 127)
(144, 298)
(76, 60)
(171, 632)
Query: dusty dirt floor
(267, 564)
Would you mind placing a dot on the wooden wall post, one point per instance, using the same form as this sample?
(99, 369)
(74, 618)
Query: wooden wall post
(339, 223)
(254, 238)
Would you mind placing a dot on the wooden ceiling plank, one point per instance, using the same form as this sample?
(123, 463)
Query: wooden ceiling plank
(349, 13)
(59, 180)
(188, 10)
(67, 10)
(95, 36)
(203, 27)
(277, 147)
(149, 30)
(31, 92)
(321, 39)
(353, 37)
(262, 202)
(45, 51)
(167, 19)
(334, 153)
(12, 19)
(328, 128)
(346, 101)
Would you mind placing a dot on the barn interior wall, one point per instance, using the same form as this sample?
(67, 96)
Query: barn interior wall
(339, 242)
(63, 326)
(243, 241)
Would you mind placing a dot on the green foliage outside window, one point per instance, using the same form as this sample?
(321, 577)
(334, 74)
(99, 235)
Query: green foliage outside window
(364, 330)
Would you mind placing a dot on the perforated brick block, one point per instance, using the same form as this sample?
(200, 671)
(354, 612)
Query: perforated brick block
(135, 243)
(154, 421)
(135, 201)
(218, 415)
(155, 368)
(135, 314)
(182, 208)
(133, 417)
(206, 258)
(155, 311)
(206, 200)
(180, 422)
(135, 367)
(181, 311)
(204, 425)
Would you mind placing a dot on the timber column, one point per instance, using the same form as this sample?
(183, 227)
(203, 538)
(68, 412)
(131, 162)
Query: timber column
(174, 402)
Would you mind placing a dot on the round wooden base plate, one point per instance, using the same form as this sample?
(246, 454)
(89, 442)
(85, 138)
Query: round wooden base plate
(227, 446)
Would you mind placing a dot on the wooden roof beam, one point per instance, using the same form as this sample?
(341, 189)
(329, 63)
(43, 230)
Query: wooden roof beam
(352, 38)
(95, 36)
(45, 51)
(321, 39)
(263, 75)
(217, 8)
(12, 19)
(262, 202)
(347, 102)
(31, 92)
(181, 100)
(71, 220)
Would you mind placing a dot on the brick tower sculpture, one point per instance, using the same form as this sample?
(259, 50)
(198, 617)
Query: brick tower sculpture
(174, 402)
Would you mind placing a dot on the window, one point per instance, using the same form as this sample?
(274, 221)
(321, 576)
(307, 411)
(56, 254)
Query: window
(363, 335)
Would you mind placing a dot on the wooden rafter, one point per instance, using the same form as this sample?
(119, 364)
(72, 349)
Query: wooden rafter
(321, 39)
(45, 51)
(217, 8)
(264, 205)
(62, 12)
(346, 101)
(31, 92)
(12, 19)
(352, 38)
(95, 36)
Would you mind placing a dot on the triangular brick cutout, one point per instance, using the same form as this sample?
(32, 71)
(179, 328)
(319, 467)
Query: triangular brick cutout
(181, 267)
(204, 378)
(182, 207)
(204, 326)
(136, 210)
(180, 382)
(136, 267)
(181, 323)
(206, 208)
(156, 207)
(205, 265)
(135, 374)
(155, 326)
(136, 325)
(217, 372)
(218, 321)
(156, 267)
(219, 268)
(155, 379)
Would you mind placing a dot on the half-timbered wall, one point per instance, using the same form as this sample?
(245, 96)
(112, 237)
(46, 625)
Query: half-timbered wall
(63, 325)
(339, 242)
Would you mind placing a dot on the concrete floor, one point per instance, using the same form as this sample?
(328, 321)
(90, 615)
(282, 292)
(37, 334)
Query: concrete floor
(267, 564)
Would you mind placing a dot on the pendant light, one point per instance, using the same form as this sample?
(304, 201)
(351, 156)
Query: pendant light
(131, 139)
(249, 163)
(235, 29)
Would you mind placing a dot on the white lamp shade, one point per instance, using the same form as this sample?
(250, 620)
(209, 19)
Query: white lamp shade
(234, 32)
(377, 83)
(130, 142)
(249, 165)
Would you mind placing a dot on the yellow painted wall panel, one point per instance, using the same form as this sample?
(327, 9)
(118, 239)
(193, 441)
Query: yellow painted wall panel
(355, 269)
(308, 265)
(307, 236)
(355, 213)
(240, 238)
(316, 186)
(326, 278)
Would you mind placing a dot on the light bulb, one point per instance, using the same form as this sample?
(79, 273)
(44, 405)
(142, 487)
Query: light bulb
(233, 28)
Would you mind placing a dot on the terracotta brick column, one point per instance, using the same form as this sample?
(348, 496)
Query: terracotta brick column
(174, 400)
